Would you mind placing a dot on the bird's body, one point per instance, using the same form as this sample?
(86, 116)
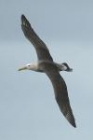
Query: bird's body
(46, 64)
(36, 66)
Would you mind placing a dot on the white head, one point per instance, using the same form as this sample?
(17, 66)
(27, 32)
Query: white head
(29, 67)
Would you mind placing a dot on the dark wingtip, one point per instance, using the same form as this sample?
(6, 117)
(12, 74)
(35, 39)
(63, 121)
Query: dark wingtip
(72, 121)
(25, 22)
(74, 125)
(23, 18)
(22, 15)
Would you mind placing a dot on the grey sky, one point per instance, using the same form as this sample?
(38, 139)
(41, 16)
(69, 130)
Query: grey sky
(27, 106)
(68, 20)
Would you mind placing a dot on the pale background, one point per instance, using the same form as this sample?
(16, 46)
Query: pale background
(28, 109)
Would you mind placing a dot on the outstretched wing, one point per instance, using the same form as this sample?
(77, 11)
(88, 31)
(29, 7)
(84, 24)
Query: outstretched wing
(40, 47)
(61, 93)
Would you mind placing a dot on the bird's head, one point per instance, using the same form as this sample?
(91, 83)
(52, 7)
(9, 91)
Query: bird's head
(27, 67)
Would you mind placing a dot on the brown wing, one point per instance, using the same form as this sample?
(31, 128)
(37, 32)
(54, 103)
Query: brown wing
(61, 93)
(40, 47)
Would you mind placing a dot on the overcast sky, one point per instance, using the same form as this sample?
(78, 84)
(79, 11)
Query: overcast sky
(28, 109)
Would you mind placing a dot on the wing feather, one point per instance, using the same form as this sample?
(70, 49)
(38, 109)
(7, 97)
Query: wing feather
(61, 93)
(40, 47)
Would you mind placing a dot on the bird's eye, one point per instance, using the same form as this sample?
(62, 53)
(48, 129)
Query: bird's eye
(28, 65)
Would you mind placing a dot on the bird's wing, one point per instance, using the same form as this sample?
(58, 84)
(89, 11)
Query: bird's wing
(40, 47)
(61, 93)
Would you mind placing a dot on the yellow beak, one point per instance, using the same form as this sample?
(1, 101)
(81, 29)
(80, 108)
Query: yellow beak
(22, 68)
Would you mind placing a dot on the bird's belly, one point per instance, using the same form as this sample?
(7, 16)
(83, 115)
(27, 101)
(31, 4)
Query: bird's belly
(46, 65)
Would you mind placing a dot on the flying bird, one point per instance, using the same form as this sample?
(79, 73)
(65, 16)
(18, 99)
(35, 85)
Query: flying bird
(46, 64)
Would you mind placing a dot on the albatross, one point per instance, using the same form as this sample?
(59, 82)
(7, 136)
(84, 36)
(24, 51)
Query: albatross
(46, 64)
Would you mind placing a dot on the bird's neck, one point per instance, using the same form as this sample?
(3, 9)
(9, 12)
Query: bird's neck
(35, 67)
